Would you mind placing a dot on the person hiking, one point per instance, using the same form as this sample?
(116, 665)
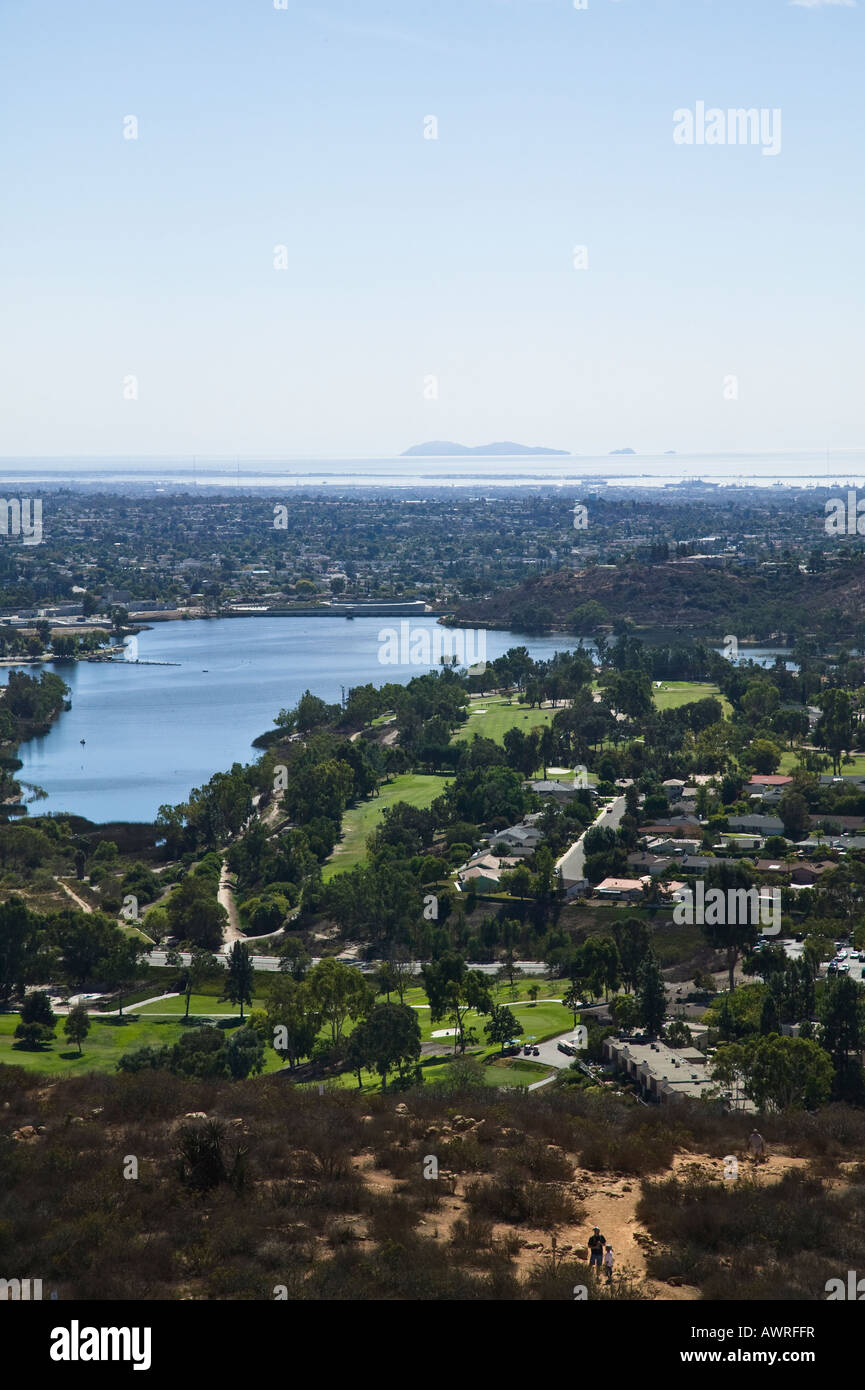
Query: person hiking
(596, 1248)
(608, 1263)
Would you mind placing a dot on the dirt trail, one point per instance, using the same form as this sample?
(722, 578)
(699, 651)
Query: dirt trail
(610, 1202)
(79, 902)
(231, 930)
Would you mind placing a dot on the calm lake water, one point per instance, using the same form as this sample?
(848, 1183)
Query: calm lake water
(152, 733)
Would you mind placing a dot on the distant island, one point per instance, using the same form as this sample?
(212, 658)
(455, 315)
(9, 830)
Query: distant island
(439, 448)
(622, 451)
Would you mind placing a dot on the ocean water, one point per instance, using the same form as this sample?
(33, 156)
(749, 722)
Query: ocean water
(804, 469)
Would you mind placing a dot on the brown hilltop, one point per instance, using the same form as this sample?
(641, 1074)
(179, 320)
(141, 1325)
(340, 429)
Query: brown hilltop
(682, 594)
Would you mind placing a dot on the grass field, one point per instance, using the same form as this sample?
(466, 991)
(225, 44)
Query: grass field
(514, 1071)
(203, 1005)
(789, 759)
(103, 1047)
(358, 823)
(499, 716)
(673, 694)
(161, 1022)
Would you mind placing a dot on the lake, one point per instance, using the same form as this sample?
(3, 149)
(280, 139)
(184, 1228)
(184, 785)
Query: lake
(152, 733)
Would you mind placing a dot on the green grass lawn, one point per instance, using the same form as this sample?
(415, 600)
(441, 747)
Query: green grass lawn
(103, 1047)
(500, 715)
(358, 823)
(203, 1005)
(674, 694)
(161, 1021)
(514, 1071)
(789, 759)
(539, 1021)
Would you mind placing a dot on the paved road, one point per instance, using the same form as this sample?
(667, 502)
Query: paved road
(572, 862)
(528, 967)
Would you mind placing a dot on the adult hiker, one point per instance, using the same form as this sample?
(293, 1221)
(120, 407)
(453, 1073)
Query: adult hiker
(596, 1249)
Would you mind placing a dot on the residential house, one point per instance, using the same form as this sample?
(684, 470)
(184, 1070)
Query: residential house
(485, 870)
(559, 791)
(775, 868)
(841, 823)
(744, 843)
(669, 845)
(649, 863)
(699, 863)
(806, 875)
(764, 825)
(621, 889)
(683, 829)
(519, 839)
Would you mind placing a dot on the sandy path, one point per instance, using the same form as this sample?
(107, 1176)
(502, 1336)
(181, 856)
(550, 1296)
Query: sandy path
(79, 902)
(231, 931)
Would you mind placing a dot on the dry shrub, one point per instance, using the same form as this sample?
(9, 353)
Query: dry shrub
(512, 1200)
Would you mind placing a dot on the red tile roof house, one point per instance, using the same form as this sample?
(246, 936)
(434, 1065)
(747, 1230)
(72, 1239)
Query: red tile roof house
(767, 780)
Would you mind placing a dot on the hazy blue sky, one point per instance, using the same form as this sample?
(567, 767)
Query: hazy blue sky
(411, 257)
